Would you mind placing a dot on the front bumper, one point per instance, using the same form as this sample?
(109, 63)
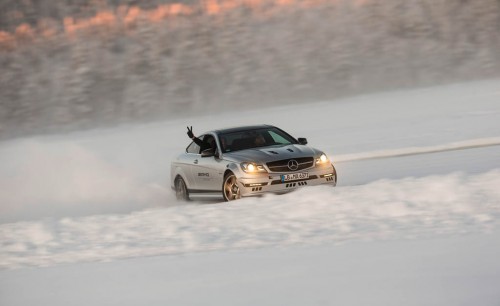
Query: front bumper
(256, 184)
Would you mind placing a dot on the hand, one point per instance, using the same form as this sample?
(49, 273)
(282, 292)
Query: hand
(190, 132)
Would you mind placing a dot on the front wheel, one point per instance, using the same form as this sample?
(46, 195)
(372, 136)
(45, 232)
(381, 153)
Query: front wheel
(230, 188)
(181, 191)
(335, 173)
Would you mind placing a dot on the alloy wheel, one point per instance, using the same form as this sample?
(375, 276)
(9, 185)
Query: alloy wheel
(230, 188)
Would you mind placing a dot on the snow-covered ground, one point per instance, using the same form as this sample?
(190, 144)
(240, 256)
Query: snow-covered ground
(418, 190)
(407, 208)
(459, 270)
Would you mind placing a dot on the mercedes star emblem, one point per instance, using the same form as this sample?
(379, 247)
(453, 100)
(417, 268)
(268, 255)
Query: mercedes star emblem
(293, 165)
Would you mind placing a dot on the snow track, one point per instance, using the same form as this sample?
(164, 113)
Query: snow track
(460, 145)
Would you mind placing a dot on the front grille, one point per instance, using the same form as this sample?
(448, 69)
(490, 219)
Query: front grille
(282, 165)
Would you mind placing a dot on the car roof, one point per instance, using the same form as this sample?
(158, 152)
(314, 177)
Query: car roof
(241, 128)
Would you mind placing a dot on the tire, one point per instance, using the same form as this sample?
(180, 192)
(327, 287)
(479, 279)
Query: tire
(181, 191)
(230, 189)
(336, 177)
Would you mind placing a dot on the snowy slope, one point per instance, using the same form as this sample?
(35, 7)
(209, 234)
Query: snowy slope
(413, 165)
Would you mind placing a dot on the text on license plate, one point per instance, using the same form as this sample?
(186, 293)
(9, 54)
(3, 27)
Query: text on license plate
(294, 176)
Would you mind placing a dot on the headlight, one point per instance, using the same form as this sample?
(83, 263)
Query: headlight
(321, 160)
(252, 168)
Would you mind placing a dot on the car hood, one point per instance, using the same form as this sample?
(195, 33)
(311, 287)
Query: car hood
(271, 153)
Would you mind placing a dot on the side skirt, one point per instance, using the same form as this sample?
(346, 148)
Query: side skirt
(209, 194)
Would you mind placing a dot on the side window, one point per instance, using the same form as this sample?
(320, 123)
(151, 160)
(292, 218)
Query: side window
(193, 148)
(208, 143)
(278, 139)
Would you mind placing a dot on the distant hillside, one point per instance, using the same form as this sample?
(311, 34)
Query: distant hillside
(77, 64)
(15, 12)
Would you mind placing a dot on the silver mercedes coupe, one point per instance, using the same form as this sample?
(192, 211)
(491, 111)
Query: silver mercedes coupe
(248, 161)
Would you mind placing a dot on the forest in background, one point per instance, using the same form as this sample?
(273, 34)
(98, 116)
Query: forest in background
(79, 64)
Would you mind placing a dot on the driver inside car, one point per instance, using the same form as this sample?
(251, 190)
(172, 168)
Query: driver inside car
(259, 140)
(207, 143)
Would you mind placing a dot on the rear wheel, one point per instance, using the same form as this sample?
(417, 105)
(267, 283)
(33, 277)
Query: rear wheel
(230, 188)
(181, 191)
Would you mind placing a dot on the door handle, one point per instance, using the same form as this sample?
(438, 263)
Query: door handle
(195, 161)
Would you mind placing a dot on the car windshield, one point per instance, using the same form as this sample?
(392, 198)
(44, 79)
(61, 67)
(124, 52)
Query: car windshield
(248, 139)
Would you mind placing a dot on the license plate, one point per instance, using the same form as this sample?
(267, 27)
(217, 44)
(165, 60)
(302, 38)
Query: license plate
(294, 177)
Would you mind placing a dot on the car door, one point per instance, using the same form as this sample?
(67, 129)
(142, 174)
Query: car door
(188, 160)
(208, 171)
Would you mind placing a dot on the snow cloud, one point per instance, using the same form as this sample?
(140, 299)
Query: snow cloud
(46, 179)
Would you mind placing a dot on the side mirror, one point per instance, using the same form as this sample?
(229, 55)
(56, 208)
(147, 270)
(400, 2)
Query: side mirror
(208, 153)
(302, 141)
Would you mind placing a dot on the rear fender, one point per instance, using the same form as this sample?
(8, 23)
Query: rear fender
(179, 171)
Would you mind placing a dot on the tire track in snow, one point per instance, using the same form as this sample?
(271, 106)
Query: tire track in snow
(454, 146)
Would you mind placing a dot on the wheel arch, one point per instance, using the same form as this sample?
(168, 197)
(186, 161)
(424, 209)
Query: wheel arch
(179, 172)
(234, 168)
(226, 173)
